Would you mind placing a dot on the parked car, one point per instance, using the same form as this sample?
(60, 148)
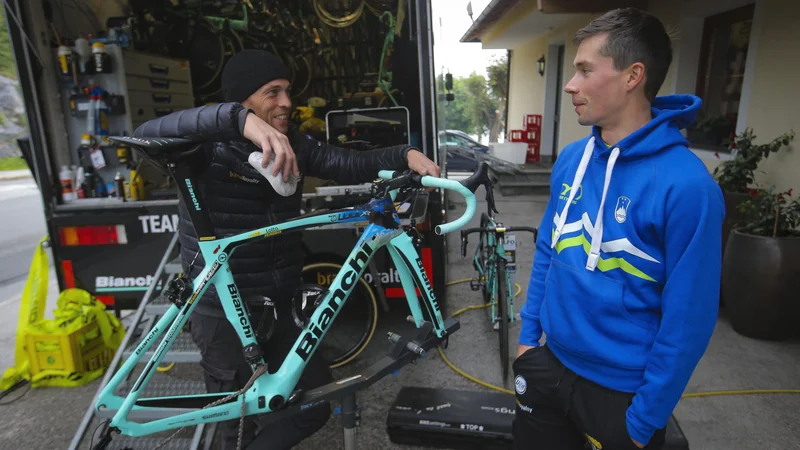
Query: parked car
(449, 139)
(461, 139)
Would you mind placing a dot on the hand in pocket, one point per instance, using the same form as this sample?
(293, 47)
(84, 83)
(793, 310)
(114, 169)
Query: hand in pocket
(522, 349)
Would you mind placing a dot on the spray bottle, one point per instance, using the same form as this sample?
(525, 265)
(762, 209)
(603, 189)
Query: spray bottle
(119, 185)
(65, 59)
(67, 178)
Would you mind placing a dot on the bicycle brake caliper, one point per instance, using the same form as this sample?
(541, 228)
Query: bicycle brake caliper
(415, 235)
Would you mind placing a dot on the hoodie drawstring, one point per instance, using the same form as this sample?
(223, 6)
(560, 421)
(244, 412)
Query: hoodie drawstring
(597, 233)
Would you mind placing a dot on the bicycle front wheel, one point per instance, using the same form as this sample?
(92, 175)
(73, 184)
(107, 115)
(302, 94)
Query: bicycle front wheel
(502, 313)
(485, 248)
(354, 326)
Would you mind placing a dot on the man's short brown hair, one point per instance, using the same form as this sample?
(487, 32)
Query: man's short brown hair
(633, 36)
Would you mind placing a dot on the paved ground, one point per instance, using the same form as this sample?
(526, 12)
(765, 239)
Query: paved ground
(15, 174)
(47, 418)
(21, 205)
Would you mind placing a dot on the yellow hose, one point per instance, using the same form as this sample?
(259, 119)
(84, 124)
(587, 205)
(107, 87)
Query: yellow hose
(164, 369)
(742, 392)
(463, 310)
(507, 391)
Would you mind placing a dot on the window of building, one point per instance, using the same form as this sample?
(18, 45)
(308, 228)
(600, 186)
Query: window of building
(720, 77)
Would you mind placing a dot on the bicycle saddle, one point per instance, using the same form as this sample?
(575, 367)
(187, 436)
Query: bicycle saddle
(158, 147)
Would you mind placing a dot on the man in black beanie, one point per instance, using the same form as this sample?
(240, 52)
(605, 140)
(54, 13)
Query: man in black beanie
(255, 118)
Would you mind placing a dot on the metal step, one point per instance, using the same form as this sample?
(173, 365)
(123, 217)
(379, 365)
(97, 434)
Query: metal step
(188, 438)
(160, 385)
(173, 267)
(163, 385)
(533, 179)
(183, 350)
(157, 305)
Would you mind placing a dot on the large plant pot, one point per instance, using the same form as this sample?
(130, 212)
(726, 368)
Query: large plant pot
(761, 284)
(732, 216)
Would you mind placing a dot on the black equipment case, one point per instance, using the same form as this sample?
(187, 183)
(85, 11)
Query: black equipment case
(448, 418)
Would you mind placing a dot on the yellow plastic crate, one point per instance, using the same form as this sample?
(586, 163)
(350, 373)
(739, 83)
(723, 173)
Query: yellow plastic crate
(83, 350)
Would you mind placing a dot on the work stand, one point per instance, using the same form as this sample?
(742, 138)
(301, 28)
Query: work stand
(403, 353)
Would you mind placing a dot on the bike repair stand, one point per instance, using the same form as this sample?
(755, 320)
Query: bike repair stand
(351, 419)
(404, 352)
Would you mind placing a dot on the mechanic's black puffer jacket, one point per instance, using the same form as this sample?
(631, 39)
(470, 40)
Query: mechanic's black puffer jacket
(239, 199)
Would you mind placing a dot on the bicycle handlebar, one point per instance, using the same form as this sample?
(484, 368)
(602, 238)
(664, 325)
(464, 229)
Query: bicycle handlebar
(465, 187)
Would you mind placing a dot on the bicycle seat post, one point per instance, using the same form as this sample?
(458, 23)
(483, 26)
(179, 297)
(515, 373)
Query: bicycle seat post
(351, 419)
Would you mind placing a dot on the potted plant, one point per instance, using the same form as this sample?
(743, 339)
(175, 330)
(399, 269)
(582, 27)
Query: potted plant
(761, 267)
(736, 175)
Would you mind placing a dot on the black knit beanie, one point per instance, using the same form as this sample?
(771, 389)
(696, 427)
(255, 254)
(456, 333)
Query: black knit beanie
(249, 70)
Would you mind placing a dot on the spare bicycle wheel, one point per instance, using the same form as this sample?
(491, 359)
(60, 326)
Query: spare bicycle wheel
(206, 55)
(352, 329)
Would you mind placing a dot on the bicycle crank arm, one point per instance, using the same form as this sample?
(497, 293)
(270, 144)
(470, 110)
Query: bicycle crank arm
(398, 357)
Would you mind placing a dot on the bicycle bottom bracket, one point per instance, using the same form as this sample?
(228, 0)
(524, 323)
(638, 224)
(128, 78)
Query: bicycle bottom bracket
(276, 402)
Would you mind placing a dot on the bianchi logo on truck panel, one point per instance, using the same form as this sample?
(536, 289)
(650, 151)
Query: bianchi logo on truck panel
(111, 283)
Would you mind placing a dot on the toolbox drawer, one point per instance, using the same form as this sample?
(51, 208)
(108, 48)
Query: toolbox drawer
(159, 99)
(141, 114)
(147, 65)
(158, 84)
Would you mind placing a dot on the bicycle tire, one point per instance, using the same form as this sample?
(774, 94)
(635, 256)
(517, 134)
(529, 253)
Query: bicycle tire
(484, 256)
(502, 303)
(364, 339)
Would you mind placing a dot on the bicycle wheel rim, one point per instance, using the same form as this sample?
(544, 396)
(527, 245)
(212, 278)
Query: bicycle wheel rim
(352, 351)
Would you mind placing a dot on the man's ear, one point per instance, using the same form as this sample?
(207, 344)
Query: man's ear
(635, 76)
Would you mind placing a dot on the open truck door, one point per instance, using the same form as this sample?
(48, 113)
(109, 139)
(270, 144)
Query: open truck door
(110, 224)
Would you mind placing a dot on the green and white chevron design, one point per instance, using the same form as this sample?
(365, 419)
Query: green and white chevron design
(615, 246)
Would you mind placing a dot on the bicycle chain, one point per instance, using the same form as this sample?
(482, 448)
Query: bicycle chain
(260, 370)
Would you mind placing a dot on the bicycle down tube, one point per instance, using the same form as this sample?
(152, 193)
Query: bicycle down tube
(270, 391)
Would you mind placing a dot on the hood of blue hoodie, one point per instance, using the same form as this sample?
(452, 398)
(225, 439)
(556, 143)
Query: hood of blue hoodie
(671, 114)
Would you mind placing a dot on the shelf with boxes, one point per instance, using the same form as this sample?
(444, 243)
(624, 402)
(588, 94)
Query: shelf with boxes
(108, 89)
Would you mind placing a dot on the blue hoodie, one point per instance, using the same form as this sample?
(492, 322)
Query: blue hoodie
(625, 279)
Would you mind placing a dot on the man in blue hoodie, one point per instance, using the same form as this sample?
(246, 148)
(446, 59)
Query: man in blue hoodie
(625, 279)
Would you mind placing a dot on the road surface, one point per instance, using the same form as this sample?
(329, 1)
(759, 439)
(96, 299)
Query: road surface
(22, 225)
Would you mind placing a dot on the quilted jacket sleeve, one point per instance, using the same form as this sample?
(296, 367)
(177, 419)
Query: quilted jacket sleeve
(219, 122)
(346, 166)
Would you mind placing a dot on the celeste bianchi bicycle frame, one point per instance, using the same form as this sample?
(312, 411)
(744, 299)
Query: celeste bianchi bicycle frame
(270, 392)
